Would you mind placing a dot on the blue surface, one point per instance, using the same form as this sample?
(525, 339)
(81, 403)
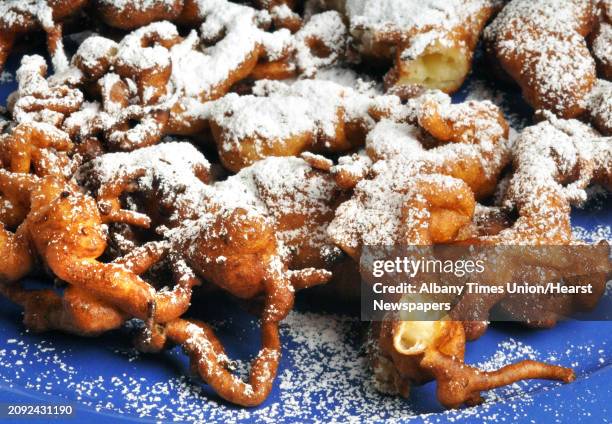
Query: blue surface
(322, 371)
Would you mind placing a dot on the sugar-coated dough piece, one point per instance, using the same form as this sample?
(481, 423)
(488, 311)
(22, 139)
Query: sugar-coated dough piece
(229, 46)
(431, 42)
(599, 106)
(416, 195)
(19, 17)
(286, 119)
(321, 42)
(282, 202)
(553, 164)
(541, 45)
(601, 40)
(602, 49)
(301, 200)
(39, 100)
(143, 57)
(94, 56)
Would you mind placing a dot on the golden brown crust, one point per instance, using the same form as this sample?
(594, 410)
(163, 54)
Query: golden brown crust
(541, 46)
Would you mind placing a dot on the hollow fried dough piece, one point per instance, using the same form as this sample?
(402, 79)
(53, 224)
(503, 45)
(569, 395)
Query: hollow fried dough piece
(414, 352)
(541, 46)
(431, 42)
(439, 59)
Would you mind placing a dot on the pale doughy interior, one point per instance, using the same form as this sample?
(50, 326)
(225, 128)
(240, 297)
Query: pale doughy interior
(413, 337)
(438, 67)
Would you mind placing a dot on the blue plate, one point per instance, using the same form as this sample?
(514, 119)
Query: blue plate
(323, 375)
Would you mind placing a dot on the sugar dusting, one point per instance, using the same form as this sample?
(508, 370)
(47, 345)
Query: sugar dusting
(325, 379)
(6, 77)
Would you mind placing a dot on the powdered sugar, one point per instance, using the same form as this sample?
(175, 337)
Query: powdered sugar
(142, 5)
(541, 44)
(602, 44)
(234, 35)
(14, 13)
(131, 51)
(378, 26)
(377, 213)
(599, 106)
(324, 31)
(324, 377)
(285, 118)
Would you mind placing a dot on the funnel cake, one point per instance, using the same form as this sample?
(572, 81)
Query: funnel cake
(283, 120)
(405, 353)
(96, 193)
(431, 42)
(554, 162)
(417, 195)
(20, 17)
(64, 228)
(541, 45)
(599, 106)
(250, 235)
